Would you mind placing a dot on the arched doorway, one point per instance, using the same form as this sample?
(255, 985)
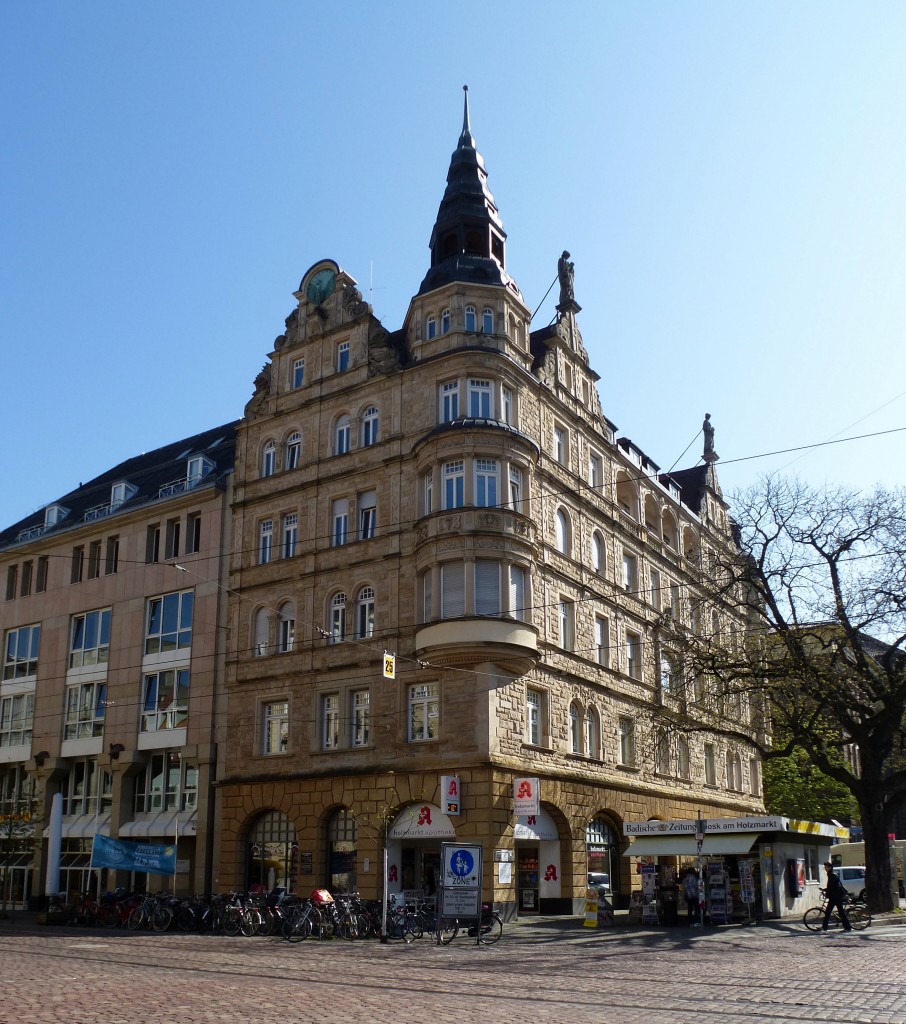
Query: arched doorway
(342, 834)
(602, 849)
(271, 853)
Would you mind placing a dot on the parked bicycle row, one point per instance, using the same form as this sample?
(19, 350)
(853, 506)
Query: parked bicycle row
(294, 918)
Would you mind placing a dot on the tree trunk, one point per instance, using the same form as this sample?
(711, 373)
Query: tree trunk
(878, 879)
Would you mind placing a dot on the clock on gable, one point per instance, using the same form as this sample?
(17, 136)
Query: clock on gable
(321, 286)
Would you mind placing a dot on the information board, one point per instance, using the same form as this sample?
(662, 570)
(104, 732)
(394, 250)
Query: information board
(461, 903)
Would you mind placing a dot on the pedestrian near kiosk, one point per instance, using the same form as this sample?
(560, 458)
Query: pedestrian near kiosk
(690, 891)
(836, 898)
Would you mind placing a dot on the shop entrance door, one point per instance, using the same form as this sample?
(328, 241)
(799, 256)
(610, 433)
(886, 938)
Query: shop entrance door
(527, 878)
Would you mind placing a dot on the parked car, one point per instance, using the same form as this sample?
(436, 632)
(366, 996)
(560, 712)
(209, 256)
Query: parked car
(599, 881)
(853, 879)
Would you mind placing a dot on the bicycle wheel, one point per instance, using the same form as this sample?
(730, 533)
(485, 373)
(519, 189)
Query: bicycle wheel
(348, 926)
(297, 928)
(490, 932)
(248, 921)
(447, 930)
(107, 916)
(136, 919)
(813, 919)
(232, 921)
(267, 922)
(859, 916)
(186, 921)
(412, 925)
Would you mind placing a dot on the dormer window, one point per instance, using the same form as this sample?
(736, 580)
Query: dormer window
(121, 493)
(54, 514)
(198, 468)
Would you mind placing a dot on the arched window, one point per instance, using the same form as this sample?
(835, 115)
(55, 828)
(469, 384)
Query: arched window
(445, 322)
(286, 627)
(269, 459)
(627, 496)
(364, 613)
(661, 752)
(341, 436)
(270, 844)
(575, 733)
(652, 518)
(592, 732)
(690, 545)
(293, 453)
(668, 528)
(682, 757)
(598, 558)
(337, 619)
(470, 318)
(341, 847)
(262, 633)
(369, 432)
(563, 539)
(431, 327)
(487, 321)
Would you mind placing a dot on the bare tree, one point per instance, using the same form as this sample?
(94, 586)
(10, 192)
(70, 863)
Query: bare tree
(821, 577)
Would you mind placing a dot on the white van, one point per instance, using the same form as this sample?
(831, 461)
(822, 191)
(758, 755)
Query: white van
(853, 878)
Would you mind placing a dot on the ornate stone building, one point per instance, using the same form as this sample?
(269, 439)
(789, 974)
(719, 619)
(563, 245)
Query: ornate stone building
(451, 492)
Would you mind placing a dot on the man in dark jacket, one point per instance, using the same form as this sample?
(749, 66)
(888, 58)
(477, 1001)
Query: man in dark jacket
(836, 897)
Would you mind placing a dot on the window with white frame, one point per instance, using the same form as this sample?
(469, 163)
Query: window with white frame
(454, 484)
(368, 433)
(561, 444)
(517, 592)
(169, 622)
(626, 738)
(86, 705)
(598, 560)
(286, 627)
(754, 777)
(479, 398)
(487, 587)
(669, 675)
(112, 556)
(292, 456)
(364, 613)
(193, 533)
(682, 757)
(265, 541)
(506, 406)
(734, 771)
(452, 590)
(486, 471)
(595, 471)
(342, 356)
(165, 700)
(630, 572)
(337, 618)
(654, 582)
(575, 729)
(298, 373)
(661, 752)
(90, 639)
(470, 319)
(17, 715)
(275, 727)
(428, 483)
(360, 718)
(330, 721)
(367, 503)
(340, 522)
(602, 640)
(169, 782)
(424, 711)
(445, 322)
(566, 623)
(81, 787)
(431, 327)
(449, 401)
(290, 529)
(562, 532)
(262, 629)
(633, 654)
(710, 765)
(341, 436)
(487, 321)
(534, 709)
(269, 459)
(592, 733)
(515, 488)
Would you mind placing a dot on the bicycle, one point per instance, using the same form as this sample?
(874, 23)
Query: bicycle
(488, 931)
(856, 911)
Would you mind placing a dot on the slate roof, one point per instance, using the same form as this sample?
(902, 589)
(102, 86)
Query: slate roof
(149, 473)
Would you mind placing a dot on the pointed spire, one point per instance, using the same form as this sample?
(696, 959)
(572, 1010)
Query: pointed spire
(466, 135)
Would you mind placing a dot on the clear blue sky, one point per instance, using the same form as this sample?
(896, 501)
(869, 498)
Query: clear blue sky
(729, 179)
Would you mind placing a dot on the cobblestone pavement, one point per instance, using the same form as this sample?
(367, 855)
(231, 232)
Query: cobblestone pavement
(544, 971)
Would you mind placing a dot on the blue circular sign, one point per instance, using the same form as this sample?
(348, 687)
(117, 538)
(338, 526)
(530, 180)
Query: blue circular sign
(461, 863)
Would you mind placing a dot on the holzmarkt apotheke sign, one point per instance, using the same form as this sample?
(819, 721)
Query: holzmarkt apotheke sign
(712, 825)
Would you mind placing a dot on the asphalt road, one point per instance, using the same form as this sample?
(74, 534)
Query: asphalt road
(544, 971)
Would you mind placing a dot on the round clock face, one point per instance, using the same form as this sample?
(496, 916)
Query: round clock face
(321, 286)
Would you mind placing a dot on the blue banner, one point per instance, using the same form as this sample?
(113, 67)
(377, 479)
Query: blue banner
(117, 853)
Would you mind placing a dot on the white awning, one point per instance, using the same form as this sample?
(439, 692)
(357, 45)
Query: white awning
(686, 846)
(162, 825)
(422, 821)
(84, 826)
(535, 826)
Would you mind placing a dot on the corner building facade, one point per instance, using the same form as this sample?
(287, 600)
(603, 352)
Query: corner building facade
(452, 493)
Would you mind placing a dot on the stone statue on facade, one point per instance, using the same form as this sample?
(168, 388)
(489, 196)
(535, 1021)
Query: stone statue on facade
(566, 272)
(709, 455)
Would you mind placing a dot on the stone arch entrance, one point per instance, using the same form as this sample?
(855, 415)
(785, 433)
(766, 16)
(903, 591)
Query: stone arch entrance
(602, 852)
(271, 853)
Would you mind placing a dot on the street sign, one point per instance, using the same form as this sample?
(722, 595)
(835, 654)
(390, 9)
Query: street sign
(461, 867)
(452, 790)
(389, 666)
(462, 903)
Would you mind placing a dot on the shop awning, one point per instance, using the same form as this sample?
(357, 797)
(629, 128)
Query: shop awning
(162, 825)
(84, 826)
(686, 846)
